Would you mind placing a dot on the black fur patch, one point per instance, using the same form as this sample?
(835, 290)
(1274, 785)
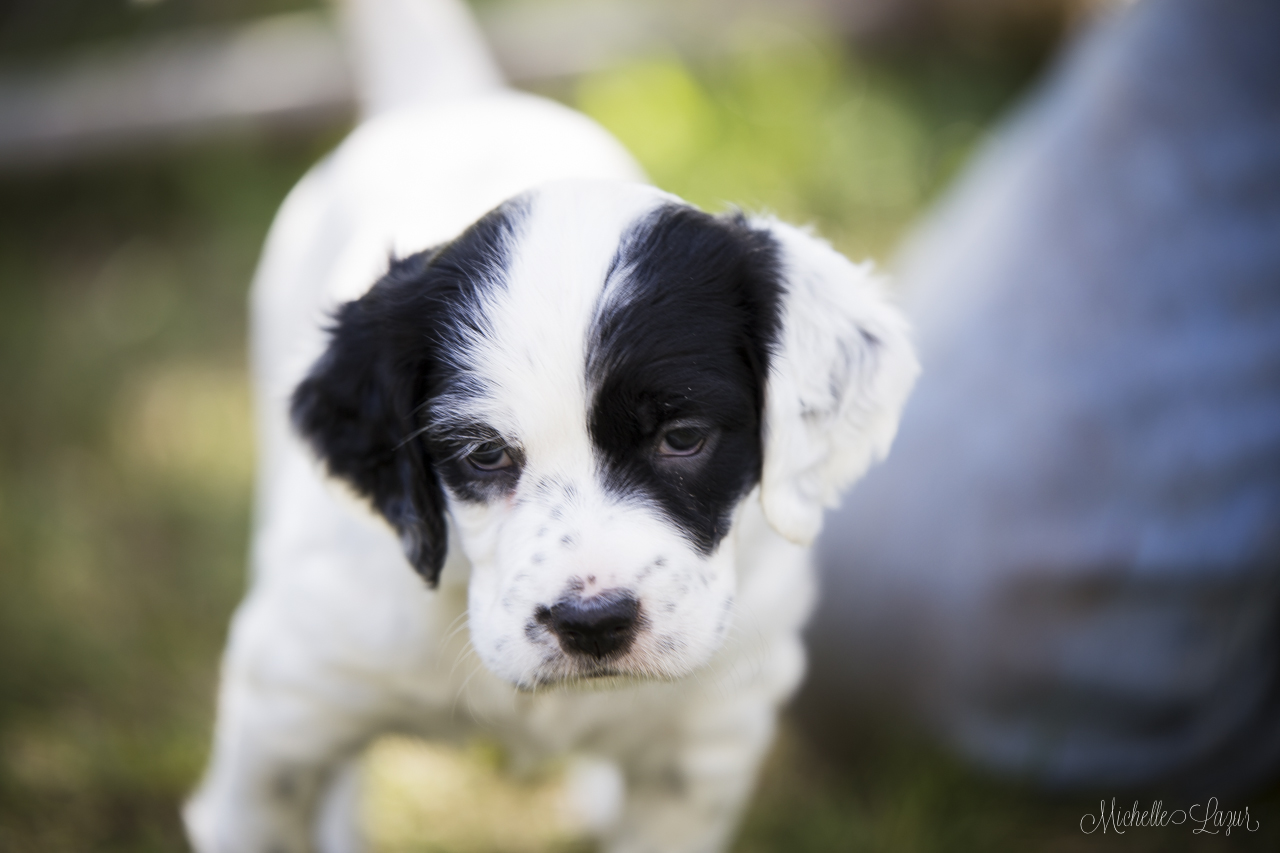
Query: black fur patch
(683, 339)
(364, 407)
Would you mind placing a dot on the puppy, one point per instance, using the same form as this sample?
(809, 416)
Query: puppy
(574, 429)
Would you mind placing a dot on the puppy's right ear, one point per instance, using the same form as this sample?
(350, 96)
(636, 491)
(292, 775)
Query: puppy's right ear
(840, 374)
(358, 408)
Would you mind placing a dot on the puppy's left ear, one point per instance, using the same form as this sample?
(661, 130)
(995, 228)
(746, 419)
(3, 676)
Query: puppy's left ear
(840, 373)
(356, 410)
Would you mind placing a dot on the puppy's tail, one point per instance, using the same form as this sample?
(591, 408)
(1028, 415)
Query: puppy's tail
(412, 52)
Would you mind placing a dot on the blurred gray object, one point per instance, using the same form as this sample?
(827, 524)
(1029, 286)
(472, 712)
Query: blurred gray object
(1070, 562)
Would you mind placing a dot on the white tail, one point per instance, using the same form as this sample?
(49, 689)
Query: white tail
(411, 52)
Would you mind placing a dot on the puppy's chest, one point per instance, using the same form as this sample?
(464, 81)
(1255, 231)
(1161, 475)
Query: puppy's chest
(608, 720)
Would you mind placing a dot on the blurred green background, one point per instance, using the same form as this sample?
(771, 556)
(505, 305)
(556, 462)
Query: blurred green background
(126, 454)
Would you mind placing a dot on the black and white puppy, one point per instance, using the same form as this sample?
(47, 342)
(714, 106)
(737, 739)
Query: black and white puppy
(597, 421)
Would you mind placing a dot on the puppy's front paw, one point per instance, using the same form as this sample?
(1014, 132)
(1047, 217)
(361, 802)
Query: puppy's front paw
(214, 827)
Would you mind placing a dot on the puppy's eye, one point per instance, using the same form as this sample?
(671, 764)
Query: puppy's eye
(682, 441)
(490, 456)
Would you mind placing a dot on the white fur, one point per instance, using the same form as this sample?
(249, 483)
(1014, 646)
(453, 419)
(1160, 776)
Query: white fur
(339, 640)
(837, 386)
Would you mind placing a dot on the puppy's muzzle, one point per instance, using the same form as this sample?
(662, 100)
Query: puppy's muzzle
(598, 627)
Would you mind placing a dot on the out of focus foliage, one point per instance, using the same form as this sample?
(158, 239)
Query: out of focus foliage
(809, 133)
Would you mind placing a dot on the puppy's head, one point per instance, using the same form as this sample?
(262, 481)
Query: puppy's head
(590, 381)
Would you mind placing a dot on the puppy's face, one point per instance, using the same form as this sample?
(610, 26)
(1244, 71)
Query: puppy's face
(581, 382)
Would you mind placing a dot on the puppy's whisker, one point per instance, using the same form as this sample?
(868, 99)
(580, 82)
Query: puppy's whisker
(457, 696)
(411, 436)
(458, 625)
(463, 653)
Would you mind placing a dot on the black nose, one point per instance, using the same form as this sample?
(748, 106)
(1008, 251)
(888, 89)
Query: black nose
(598, 626)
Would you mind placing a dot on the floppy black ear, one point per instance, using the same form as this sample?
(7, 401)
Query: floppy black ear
(358, 408)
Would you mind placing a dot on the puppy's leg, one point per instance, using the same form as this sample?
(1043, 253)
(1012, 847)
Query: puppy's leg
(338, 822)
(686, 798)
(276, 751)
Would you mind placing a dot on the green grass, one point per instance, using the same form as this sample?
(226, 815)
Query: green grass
(124, 483)
(126, 458)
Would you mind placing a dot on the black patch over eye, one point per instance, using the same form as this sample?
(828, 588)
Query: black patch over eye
(677, 361)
